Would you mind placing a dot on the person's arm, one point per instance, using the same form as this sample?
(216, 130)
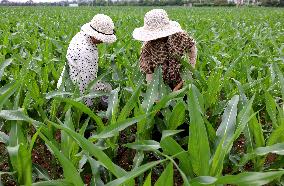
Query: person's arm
(145, 58)
(178, 86)
(149, 78)
(183, 44)
(193, 55)
(192, 61)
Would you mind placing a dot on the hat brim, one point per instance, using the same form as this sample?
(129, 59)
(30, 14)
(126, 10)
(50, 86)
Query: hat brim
(99, 36)
(143, 34)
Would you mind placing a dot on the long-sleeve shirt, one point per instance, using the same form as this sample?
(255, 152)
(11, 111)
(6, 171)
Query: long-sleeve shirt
(167, 52)
(82, 58)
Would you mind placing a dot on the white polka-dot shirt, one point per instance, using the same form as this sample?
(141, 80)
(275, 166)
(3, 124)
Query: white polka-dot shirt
(82, 57)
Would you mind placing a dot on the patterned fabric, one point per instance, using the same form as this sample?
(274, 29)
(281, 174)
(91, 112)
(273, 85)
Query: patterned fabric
(167, 52)
(82, 57)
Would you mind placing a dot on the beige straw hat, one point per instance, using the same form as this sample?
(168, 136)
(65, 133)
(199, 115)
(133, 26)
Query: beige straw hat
(156, 25)
(101, 27)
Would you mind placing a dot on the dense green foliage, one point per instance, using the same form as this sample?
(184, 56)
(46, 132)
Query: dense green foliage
(221, 128)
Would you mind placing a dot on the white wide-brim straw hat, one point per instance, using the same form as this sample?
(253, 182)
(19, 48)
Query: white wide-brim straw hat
(156, 25)
(101, 27)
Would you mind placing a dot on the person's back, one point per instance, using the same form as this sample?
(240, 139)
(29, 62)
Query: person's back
(82, 53)
(82, 57)
(167, 52)
(164, 44)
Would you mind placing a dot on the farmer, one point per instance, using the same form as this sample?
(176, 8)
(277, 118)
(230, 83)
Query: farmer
(165, 43)
(82, 53)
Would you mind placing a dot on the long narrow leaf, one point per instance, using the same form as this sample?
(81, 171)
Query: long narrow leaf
(69, 171)
(198, 140)
(227, 127)
(166, 177)
(134, 173)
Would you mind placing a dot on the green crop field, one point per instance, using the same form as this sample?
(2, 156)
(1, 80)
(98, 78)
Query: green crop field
(225, 126)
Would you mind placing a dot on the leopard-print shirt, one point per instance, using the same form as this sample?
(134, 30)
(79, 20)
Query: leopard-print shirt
(166, 52)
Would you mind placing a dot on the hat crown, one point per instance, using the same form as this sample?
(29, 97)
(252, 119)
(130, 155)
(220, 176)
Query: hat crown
(102, 23)
(156, 19)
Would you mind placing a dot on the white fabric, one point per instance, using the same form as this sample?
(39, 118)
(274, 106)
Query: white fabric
(156, 25)
(82, 58)
(104, 28)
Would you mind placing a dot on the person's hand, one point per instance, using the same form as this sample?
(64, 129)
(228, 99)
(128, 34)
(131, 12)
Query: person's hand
(149, 78)
(178, 86)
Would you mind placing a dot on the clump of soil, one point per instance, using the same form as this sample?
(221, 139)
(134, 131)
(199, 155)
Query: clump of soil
(270, 158)
(6, 179)
(239, 145)
(43, 157)
(125, 156)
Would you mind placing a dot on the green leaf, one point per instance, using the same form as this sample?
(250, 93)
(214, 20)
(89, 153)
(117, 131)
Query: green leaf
(163, 102)
(280, 77)
(20, 158)
(113, 104)
(9, 173)
(18, 115)
(203, 180)
(95, 165)
(276, 136)
(138, 159)
(276, 148)
(257, 132)
(177, 116)
(112, 130)
(198, 141)
(250, 178)
(8, 93)
(41, 173)
(70, 172)
(214, 84)
(95, 151)
(93, 94)
(152, 92)
(171, 147)
(222, 150)
(56, 94)
(67, 143)
(16, 134)
(84, 127)
(227, 127)
(93, 83)
(84, 109)
(4, 138)
(243, 118)
(166, 177)
(167, 133)
(3, 65)
(262, 151)
(280, 115)
(130, 104)
(134, 173)
(184, 177)
(60, 182)
(271, 109)
(145, 145)
(148, 180)
(242, 179)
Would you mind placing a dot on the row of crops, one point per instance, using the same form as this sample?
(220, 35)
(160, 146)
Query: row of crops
(225, 126)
